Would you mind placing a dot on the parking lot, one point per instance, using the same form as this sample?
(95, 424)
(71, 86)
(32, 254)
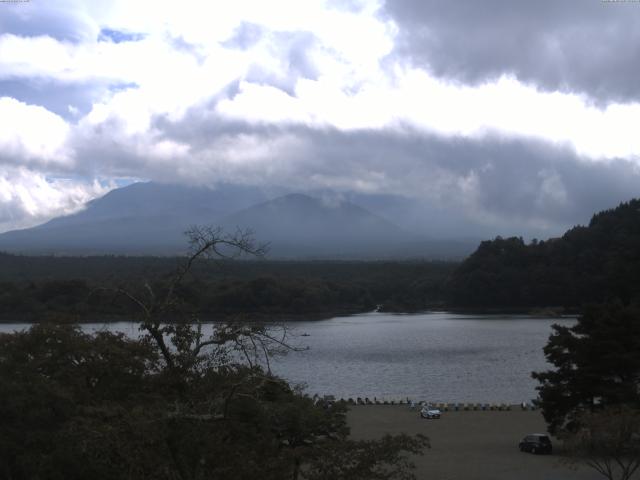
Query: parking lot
(469, 444)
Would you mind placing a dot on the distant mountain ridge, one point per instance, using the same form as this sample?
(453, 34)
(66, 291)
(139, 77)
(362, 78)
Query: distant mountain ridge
(142, 218)
(298, 225)
(150, 219)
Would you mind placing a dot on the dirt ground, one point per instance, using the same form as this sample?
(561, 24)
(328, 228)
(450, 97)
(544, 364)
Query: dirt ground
(469, 444)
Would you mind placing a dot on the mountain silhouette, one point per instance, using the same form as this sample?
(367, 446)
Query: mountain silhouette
(142, 218)
(298, 225)
(151, 218)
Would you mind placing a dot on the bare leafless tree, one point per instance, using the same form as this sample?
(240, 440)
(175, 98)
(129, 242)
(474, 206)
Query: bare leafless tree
(608, 441)
(181, 341)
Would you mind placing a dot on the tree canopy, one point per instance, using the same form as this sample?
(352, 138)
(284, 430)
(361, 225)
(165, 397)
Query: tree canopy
(595, 263)
(173, 404)
(596, 365)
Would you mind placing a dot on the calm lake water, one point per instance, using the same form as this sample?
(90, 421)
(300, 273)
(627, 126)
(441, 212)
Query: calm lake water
(432, 356)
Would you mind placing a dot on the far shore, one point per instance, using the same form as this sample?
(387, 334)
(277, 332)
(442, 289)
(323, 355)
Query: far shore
(29, 319)
(247, 317)
(469, 445)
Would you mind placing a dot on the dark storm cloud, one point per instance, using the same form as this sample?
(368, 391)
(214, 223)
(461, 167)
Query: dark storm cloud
(514, 186)
(584, 46)
(519, 182)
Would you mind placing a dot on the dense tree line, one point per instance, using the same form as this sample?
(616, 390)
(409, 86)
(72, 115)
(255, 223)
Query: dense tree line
(77, 300)
(85, 289)
(587, 264)
(110, 268)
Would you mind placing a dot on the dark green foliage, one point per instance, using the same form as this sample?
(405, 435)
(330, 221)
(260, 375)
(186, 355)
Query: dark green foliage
(77, 406)
(171, 404)
(73, 289)
(587, 264)
(55, 381)
(285, 295)
(597, 365)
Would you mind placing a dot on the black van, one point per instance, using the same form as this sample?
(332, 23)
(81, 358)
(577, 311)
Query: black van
(536, 443)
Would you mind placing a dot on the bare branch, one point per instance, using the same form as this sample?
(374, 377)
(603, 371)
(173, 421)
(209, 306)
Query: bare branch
(255, 343)
(608, 441)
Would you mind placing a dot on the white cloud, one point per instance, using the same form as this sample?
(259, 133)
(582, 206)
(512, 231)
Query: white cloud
(505, 107)
(28, 198)
(355, 87)
(311, 66)
(508, 107)
(32, 134)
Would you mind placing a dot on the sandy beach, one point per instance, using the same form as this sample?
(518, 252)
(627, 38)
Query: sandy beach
(469, 444)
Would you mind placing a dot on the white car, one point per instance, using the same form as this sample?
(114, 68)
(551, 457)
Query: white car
(429, 412)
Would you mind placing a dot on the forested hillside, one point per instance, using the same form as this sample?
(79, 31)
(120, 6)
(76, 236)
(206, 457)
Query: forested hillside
(587, 264)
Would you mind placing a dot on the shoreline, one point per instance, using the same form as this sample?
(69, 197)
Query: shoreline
(248, 317)
(288, 317)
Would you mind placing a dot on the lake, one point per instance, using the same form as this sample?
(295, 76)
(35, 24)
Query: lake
(440, 357)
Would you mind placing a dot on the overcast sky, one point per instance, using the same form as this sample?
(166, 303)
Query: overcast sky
(519, 116)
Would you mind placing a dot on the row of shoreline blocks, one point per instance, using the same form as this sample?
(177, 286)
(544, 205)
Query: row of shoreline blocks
(445, 407)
